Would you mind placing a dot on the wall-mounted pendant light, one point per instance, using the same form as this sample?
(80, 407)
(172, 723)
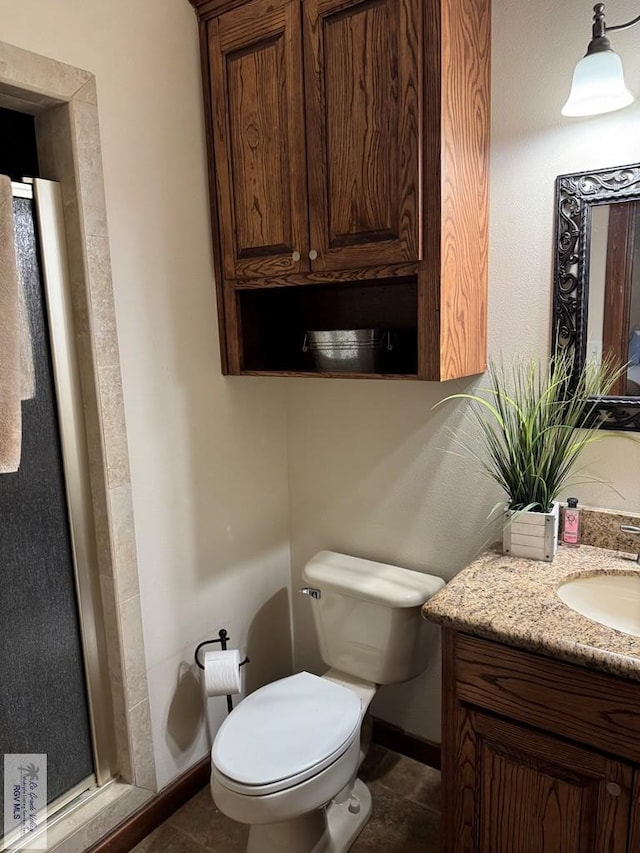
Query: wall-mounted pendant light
(598, 81)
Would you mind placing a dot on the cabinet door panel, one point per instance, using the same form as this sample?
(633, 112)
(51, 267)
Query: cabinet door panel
(634, 825)
(256, 78)
(362, 76)
(538, 794)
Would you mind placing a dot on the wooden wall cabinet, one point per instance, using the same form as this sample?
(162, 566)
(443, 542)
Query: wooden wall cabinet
(539, 756)
(348, 147)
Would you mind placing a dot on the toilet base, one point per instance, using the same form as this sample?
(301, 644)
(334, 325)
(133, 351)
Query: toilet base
(331, 829)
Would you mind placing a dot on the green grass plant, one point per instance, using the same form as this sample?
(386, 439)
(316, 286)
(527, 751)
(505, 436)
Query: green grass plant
(534, 421)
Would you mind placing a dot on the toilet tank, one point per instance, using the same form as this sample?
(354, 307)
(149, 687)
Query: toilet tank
(367, 616)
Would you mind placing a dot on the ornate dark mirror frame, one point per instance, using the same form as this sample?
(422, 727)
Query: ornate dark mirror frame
(576, 195)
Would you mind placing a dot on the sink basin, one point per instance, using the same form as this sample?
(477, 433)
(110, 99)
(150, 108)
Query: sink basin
(612, 600)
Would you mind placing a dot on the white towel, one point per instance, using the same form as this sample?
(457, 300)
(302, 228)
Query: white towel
(10, 368)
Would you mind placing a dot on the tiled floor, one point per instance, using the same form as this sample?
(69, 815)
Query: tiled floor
(405, 818)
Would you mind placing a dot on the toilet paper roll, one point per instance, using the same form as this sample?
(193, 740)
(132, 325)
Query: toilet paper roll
(222, 672)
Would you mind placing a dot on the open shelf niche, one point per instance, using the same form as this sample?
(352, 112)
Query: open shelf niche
(274, 322)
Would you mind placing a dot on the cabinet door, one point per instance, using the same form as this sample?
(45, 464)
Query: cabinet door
(363, 82)
(534, 793)
(258, 133)
(634, 824)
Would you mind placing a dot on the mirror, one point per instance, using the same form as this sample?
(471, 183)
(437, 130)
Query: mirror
(596, 300)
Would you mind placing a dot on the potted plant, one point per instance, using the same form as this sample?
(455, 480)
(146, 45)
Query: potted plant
(534, 421)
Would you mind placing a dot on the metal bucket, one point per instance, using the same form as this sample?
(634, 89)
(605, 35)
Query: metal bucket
(347, 350)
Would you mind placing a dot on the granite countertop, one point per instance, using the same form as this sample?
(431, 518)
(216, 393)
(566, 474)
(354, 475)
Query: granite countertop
(513, 600)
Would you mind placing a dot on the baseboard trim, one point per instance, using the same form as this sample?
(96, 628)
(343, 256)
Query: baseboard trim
(425, 751)
(148, 817)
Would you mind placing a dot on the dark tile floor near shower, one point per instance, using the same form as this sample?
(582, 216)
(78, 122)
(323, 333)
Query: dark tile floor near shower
(405, 817)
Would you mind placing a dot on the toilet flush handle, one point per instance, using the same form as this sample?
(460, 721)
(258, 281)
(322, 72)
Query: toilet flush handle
(310, 590)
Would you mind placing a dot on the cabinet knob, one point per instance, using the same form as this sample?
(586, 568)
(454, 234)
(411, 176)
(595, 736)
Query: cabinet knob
(614, 789)
(313, 255)
(295, 256)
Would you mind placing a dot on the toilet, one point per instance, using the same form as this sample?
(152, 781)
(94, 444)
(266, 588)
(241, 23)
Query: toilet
(286, 758)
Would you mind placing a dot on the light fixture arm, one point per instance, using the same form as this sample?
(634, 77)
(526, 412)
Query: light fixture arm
(626, 26)
(599, 40)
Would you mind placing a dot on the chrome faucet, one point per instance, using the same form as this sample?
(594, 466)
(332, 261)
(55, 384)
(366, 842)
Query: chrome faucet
(630, 528)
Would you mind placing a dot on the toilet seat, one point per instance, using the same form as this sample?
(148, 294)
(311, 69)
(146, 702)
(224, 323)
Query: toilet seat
(285, 733)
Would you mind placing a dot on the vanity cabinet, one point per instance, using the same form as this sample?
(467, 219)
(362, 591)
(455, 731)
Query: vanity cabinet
(348, 152)
(538, 755)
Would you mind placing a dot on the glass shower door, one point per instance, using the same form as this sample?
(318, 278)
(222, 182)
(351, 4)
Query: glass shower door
(46, 675)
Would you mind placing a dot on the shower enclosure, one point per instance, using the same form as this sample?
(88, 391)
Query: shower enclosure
(54, 696)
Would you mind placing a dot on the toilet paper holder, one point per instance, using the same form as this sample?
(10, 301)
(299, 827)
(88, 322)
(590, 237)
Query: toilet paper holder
(223, 639)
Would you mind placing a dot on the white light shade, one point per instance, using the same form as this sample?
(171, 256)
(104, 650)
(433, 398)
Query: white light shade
(598, 86)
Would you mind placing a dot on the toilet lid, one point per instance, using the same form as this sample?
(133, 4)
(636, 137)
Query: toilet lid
(285, 733)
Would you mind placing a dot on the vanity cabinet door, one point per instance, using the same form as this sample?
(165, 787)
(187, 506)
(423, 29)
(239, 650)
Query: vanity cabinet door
(255, 58)
(530, 792)
(634, 824)
(363, 88)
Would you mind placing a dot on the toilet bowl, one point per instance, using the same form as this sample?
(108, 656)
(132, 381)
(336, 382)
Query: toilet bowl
(284, 754)
(285, 760)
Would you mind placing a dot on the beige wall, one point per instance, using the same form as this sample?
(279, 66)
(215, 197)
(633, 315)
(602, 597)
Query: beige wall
(207, 455)
(369, 468)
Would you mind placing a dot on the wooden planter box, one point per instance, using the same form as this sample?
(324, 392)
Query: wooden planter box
(531, 534)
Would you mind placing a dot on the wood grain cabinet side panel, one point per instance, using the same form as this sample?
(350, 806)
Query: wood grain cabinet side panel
(459, 760)
(465, 186)
(258, 133)
(363, 80)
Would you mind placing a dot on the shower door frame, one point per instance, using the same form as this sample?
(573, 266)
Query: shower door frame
(64, 102)
(51, 240)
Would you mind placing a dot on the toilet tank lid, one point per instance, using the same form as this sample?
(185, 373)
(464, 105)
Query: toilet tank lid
(380, 583)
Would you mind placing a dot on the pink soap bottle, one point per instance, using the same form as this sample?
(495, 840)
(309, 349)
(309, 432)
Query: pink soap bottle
(571, 523)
